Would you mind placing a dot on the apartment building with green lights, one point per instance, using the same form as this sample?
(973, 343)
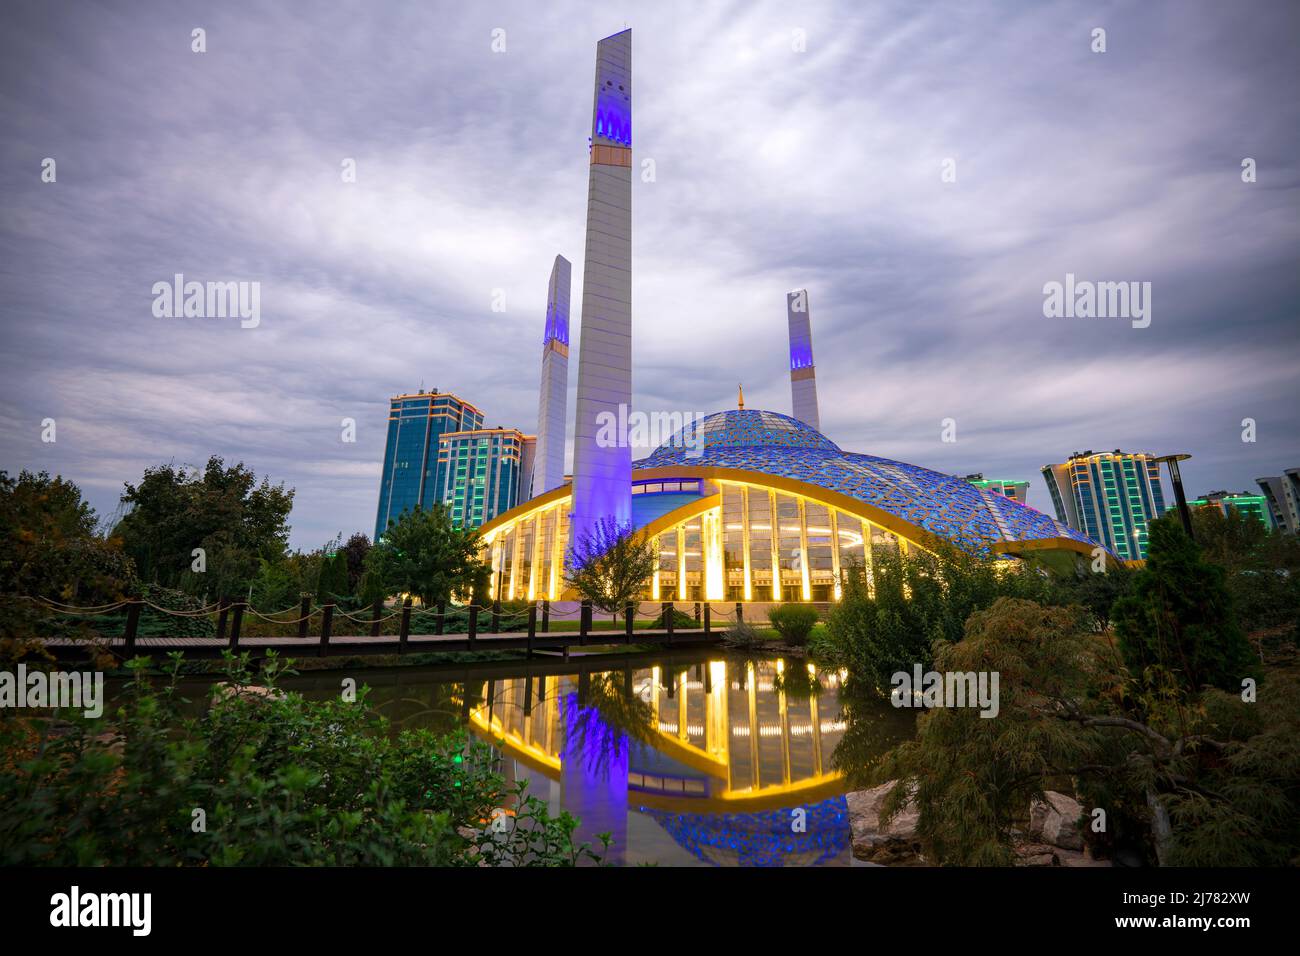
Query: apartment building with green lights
(410, 477)
(484, 472)
(1244, 503)
(1110, 497)
(1015, 490)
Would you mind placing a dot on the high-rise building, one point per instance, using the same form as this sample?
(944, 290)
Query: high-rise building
(803, 374)
(1283, 495)
(1252, 506)
(547, 468)
(410, 476)
(481, 471)
(1015, 490)
(602, 470)
(1109, 497)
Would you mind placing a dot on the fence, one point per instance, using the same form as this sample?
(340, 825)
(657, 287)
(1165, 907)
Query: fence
(543, 623)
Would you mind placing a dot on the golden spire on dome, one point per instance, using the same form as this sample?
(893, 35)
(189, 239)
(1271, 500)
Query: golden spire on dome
(740, 399)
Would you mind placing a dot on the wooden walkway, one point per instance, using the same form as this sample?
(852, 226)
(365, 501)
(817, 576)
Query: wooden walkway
(210, 647)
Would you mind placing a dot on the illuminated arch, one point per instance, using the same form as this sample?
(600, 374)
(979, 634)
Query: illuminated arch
(526, 545)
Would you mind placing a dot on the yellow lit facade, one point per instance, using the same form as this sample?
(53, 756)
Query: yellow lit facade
(737, 540)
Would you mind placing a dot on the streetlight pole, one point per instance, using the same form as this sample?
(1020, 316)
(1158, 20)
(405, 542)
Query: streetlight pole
(1176, 479)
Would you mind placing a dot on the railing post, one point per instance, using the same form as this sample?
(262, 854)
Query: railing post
(406, 625)
(132, 625)
(473, 625)
(327, 621)
(304, 616)
(376, 611)
(222, 606)
(668, 612)
(707, 608)
(584, 621)
(440, 619)
(546, 616)
(496, 617)
(532, 633)
(629, 615)
(697, 612)
(235, 624)
(740, 613)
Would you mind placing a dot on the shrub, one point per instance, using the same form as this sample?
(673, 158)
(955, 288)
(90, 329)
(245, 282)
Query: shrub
(794, 622)
(742, 634)
(681, 620)
(281, 780)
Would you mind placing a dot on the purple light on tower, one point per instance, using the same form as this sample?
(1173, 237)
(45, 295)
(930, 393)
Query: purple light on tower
(553, 396)
(602, 471)
(803, 374)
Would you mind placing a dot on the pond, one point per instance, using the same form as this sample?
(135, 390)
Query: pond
(687, 759)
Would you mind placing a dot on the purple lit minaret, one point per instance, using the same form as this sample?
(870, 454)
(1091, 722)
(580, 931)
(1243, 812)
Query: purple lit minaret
(803, 374)
(548, 463)
(602, 473)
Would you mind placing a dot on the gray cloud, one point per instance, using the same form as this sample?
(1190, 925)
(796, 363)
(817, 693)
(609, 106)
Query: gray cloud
(774, 169)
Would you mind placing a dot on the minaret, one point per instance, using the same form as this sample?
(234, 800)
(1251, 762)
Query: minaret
(602, 472)
(548, 462)
(803, 375)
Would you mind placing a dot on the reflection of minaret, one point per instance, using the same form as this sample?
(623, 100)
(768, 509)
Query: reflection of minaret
(594, 777)
(602, 476)
(548, 465)
(803, 375)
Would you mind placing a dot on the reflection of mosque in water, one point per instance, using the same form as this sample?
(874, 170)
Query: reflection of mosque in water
(730, 757)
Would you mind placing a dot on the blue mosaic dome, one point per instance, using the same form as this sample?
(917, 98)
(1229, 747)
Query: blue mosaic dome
(745, 428)
(774, 444)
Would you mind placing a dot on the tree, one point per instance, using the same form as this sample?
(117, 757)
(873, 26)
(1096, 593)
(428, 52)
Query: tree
(1261, 569)
(225, 511)
(891, 622)
(610, 565)
(1179, 616)
(423, 553)
(49, 549)
(332, 588)
(354, 553)
(1069, 715)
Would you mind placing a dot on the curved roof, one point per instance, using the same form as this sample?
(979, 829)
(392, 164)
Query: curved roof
(741, 428)
(775, 444)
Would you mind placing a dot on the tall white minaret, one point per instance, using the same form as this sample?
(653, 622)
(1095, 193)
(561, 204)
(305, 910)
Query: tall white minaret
(803, 374)
(548, 462)
(602, 471)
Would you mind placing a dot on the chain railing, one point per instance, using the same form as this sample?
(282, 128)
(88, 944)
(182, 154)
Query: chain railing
(533, 620)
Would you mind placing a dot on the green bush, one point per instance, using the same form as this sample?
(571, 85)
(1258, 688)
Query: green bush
(794, 622)
(279, 781)
(681, 621)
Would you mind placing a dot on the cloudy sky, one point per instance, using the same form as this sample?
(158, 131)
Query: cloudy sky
(775, 168)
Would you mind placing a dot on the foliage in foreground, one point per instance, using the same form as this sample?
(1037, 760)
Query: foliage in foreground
(1226, 772)
(279, 780)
